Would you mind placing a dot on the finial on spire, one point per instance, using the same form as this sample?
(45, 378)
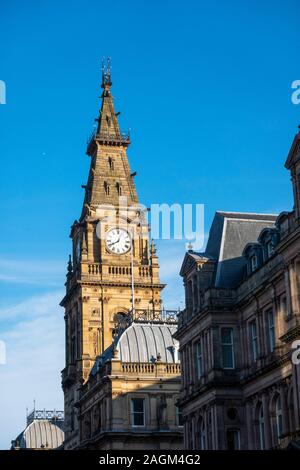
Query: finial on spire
(106, 72)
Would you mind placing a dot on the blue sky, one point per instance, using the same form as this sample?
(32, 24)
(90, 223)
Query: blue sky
(205, 87)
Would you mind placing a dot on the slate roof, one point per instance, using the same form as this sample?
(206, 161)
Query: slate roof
(229, 234)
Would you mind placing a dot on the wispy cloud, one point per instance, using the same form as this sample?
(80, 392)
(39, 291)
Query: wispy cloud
(32, 307)
(35, 357)
(34, 272)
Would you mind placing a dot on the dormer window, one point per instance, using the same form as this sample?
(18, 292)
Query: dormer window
(253, 262)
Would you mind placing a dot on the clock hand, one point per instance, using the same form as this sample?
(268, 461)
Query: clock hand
(115, 242)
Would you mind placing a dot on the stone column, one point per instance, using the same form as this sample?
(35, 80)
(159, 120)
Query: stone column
(206, 428)
(293, 288)
(249, 427)
(288, 292)
(213, 427)
(261, 333)
(191, 366)
(296, 395)
(185, 432)
(209, 351)
(245, 346)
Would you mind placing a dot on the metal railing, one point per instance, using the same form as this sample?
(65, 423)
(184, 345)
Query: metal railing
(153, 315)
(121, 137)
(51, 415)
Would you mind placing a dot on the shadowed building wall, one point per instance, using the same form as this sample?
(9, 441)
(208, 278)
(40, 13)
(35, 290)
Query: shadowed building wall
(240, 387)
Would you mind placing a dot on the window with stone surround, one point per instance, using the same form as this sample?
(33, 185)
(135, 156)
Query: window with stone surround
(138, 412)
(254, 340)
(271, 329)
(199, 359)
(227, 348)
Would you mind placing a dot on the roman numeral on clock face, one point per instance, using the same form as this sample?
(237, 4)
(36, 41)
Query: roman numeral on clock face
(118, 241)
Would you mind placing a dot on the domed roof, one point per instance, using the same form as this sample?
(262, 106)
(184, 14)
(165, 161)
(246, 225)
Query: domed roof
(142, 342)
(145, 342)
(41, 433)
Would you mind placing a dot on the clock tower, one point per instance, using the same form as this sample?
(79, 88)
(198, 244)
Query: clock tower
(113, 272)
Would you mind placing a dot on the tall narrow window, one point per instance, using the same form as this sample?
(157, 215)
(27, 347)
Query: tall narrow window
(111, 163)
(271, 330)
(254, 340)
(106, 188)
(199, 360)
(278, 414)
(261, 428)
(119, 189)
(283, 306)
(179, 416)
(227, 348)
(138, 412)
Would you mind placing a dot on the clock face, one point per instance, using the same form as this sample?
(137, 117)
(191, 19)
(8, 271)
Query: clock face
(118, 241)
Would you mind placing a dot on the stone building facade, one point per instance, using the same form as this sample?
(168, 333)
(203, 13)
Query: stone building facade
(130, 399)
(112, 279)
(241, 389)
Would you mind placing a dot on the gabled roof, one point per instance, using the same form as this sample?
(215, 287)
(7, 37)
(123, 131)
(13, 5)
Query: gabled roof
(191, 258)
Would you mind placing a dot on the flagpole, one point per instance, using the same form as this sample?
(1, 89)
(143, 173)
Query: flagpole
(132, 277)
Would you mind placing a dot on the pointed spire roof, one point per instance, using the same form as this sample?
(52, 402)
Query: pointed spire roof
(110, 179)
(108, 128)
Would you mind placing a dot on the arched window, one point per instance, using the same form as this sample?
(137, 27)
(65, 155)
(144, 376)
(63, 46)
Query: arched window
(121, 321)
(261, 427)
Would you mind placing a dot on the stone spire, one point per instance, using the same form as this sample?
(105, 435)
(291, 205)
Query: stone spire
(110, 176)
(108, 126)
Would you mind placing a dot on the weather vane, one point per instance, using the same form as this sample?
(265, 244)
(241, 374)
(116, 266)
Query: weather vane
(106, 71)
